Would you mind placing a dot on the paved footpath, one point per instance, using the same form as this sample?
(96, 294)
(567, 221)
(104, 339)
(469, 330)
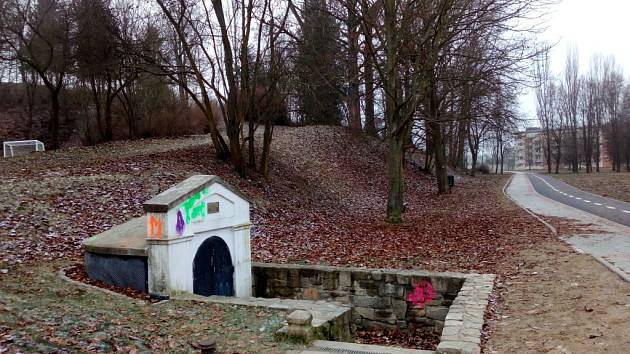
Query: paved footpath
(559, 191)
(608, 233)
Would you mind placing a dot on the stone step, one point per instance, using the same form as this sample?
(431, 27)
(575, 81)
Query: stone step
(327, 347)
(330, 321)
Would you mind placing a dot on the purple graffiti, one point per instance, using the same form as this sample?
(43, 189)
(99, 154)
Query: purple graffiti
(180, 226)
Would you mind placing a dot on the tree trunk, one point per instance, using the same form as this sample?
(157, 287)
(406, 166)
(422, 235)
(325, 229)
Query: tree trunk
(496, 158)
(129, 112)
(354, 100)
(250, 143)
(461, 143)
(97, 107)
(502, 156)
(395, 181)
(428, 158)
(548, 151)
(264, 158)
(576, 167)
(109, 131)
(368, 75)
(54, 119)
(558, 157)
(440, 156)
(597, 150)
(236, 152)
(396, 138)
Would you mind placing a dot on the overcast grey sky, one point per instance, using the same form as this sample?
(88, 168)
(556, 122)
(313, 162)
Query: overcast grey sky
(594, 27)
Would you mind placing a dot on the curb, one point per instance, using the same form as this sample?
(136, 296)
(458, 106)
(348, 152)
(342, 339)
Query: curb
(62, 274)
(612, 268)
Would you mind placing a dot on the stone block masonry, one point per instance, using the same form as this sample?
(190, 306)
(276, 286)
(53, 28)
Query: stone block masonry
(378, 297)
(464, 321)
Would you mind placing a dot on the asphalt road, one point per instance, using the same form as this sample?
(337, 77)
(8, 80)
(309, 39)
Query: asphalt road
(559, 191)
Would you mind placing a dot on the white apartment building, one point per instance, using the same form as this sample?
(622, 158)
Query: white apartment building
(529, 150)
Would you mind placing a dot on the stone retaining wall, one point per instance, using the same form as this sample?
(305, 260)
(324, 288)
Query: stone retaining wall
(378, 296)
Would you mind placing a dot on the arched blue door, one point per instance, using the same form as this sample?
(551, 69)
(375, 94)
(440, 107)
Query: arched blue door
(213, 273)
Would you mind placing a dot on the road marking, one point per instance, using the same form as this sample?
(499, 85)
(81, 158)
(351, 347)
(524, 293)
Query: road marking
(585, 201)
(570, 196)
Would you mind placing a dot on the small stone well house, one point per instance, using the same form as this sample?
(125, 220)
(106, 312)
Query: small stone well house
(195, 238)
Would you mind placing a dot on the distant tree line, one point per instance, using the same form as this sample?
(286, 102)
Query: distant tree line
(439, 76)
(584, 116)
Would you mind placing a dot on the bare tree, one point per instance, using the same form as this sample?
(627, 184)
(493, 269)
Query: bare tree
(415, 45)
(224, 47)
(613, 103)
(571, 85)
(558, 122)
(38, 35)
(544, 102)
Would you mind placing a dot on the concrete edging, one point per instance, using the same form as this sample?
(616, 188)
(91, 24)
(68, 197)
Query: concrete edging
(465, 318)
(62, 274)
(609, 265)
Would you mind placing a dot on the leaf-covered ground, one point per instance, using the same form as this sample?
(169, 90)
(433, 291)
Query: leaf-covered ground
(323, 203)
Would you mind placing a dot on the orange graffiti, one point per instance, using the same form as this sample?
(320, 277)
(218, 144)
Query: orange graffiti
(154, 227)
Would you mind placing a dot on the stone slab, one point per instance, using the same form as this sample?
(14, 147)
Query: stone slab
(127, 239)
(171, 197)
(341, 347)
(324, 313)
(371, 271)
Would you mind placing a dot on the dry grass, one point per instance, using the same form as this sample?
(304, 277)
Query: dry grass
(608, 184)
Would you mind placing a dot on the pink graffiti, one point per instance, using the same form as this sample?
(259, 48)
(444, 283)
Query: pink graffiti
(423, 292)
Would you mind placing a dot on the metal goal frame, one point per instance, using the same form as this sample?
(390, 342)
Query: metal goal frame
(8, 146)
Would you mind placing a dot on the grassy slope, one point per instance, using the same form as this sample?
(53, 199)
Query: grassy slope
(323, 203)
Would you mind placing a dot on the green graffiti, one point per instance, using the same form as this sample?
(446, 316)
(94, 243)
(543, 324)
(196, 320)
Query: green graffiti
(194, 207)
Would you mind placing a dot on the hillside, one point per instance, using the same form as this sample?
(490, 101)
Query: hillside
(323, 203)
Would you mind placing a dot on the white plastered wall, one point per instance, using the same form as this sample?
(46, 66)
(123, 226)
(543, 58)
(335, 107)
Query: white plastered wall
(171, 254)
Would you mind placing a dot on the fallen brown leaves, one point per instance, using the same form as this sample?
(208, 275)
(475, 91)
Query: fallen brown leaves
(77, 272)
(417, 338)
(322, 204)
(336, 218)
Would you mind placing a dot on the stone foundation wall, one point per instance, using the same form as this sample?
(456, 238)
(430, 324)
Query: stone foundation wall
(379, 296)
